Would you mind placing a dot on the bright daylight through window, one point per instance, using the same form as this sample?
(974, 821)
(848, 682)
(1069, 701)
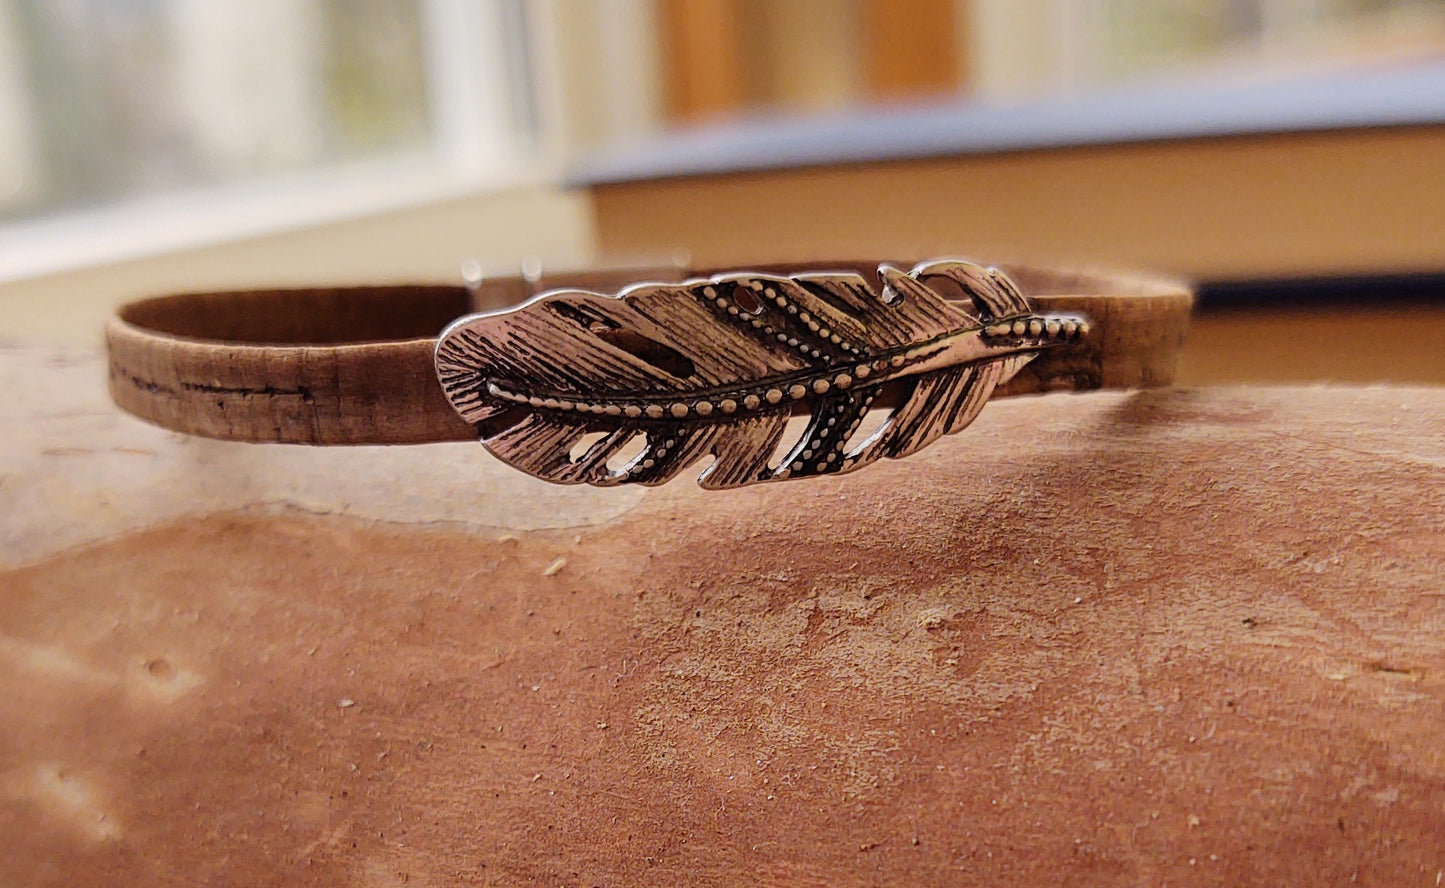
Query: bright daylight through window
(104, 102)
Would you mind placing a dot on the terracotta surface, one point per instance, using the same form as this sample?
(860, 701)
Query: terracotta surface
(1182, 637)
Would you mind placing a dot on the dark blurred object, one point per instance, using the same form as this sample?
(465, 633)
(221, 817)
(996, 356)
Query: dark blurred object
(1360, 291)
(1355, 328)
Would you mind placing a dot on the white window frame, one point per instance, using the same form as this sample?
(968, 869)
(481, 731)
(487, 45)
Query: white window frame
(490, 131)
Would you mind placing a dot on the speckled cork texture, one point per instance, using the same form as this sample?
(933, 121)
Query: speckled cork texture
(1182, 637)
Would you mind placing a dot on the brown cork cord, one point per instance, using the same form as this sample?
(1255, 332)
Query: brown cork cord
(353, 365)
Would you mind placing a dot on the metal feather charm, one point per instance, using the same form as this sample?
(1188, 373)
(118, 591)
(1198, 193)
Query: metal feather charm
(576, 387)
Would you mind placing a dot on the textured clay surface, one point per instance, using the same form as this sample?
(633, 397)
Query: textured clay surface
(1187, 637)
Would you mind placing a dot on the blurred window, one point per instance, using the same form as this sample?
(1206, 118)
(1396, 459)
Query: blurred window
(107, 101)
(128, 126)
(1127, 39)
